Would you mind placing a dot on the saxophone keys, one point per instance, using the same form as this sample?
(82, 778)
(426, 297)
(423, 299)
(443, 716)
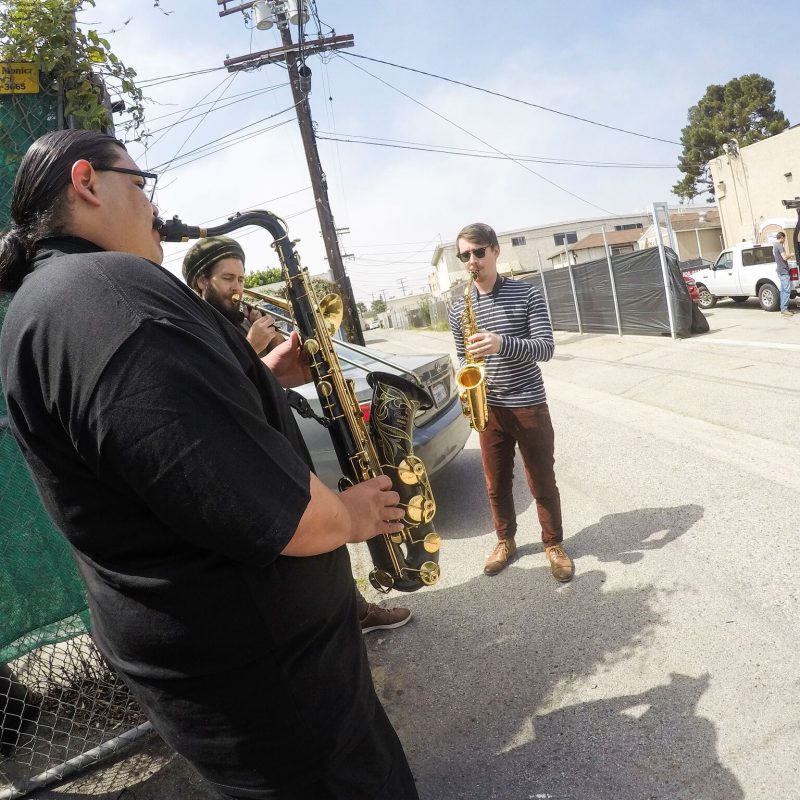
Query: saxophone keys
(420, 509)
(429, 573)
(415, 510)
(311, 347)
(381, 580)
(411, 470)
(397, 538)
(325, 388)
(432, 542)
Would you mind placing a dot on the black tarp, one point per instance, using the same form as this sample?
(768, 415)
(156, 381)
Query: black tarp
(639, 283)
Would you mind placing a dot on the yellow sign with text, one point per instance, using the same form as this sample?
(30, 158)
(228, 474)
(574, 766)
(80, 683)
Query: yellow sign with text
(21, 77)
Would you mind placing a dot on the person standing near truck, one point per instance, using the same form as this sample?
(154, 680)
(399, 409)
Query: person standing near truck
(782, 260)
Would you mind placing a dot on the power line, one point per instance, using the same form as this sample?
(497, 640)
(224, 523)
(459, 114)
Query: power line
(249, 95)
(147, 83)
(165, 167)
(334, 137)
(483, 141)
(515, 99)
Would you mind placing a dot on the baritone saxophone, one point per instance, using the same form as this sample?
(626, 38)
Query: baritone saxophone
(471, 377)
(405, 561)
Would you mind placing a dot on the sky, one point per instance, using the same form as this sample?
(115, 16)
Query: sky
(631, 66)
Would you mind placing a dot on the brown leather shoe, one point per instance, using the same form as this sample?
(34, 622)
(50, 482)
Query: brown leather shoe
(499, 557)
(560, 563)
(377, 618)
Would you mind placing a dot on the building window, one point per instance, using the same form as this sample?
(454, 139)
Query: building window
(570, 236)
(628, 226)
(517, 241)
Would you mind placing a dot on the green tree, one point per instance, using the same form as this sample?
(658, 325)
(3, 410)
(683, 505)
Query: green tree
(263, 277)
(78, 62)
(362, 309)
(378, 306)
(742, 109)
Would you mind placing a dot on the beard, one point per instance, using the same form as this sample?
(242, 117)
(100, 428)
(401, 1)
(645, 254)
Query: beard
(224, 306)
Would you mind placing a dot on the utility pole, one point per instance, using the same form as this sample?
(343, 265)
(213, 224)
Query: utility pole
(300, 81)
(402, 282)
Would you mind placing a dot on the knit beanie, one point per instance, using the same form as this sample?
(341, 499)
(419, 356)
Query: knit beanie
(206, 253)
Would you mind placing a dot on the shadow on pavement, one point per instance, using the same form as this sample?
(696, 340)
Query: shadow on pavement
(479, 686)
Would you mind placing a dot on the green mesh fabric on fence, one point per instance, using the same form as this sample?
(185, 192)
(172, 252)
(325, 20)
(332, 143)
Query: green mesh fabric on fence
(42, 598)
(23, 119)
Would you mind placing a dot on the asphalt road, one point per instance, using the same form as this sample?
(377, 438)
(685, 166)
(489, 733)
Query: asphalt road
(666, 669)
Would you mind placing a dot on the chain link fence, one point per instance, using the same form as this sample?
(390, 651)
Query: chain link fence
(23, 119)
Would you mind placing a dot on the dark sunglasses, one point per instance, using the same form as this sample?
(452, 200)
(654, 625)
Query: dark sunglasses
(478, 252)
(150, 178)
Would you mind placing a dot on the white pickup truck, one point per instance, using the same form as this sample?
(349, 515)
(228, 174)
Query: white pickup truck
(742, 271)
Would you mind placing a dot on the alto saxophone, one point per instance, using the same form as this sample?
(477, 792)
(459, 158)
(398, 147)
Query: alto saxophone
(405, 561)
(471, 378)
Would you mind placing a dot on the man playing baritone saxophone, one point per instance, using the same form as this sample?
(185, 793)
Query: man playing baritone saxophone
(514, 333)
(219, 584)
(214, 268)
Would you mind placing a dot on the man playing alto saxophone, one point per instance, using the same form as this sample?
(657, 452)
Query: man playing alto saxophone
(513, 334)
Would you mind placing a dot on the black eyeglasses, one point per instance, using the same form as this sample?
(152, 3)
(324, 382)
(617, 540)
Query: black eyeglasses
(150, 178)
(478, 252)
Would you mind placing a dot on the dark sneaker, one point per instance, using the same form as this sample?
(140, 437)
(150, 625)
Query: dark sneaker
(498, 559)
(383, 619)
(560, 563)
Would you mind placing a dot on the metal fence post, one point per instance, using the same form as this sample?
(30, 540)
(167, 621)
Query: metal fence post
(575, 298)
(663, 257)
(544, 287)
(613, 282)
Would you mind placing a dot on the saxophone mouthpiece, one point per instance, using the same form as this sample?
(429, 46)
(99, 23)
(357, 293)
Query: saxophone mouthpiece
(236, 298)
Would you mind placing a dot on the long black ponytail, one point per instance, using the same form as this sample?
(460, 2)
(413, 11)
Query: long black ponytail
(38, 207)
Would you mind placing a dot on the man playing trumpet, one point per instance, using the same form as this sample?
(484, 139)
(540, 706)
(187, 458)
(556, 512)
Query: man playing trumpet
(214, 268)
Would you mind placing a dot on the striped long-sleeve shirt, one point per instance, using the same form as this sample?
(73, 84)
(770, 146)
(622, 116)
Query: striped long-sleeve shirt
(517, 312)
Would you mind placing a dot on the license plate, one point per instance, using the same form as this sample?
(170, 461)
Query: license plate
(439, 392)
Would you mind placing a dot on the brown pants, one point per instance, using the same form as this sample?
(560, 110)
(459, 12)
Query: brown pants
(530, 428)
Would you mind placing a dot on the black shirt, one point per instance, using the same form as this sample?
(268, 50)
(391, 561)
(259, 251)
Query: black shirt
(167, 455)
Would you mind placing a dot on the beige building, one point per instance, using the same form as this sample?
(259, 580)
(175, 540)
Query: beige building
(405, 312)
(697, 232)
(750, 184)
(594, 246)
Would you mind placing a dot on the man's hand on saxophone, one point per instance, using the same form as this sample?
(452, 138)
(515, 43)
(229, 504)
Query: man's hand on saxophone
(483, 343)
(373, 508)
(357, 514)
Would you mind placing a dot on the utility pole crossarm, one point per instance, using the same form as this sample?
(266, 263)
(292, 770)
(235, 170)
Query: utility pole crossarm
(262, 57)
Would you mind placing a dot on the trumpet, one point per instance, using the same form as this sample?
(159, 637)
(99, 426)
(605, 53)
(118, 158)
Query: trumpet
(252, 313)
